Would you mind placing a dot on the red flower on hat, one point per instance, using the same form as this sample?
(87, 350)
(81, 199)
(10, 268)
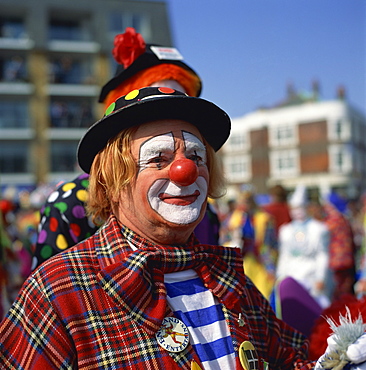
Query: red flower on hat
(128, 47)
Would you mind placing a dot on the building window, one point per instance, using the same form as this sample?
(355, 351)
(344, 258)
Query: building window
(340, 159)
(237, 168)
(13, 28)
(14, 114)
(13, 69)
(118, 21)
(68, 70)
(63, 156)
(14, 157)
(283, 135)
(284, 163)
(340, 129)
(71, 113)
(237, 141)
(68, 30)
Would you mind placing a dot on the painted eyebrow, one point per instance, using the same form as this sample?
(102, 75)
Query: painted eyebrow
(155, 150)
(151, 138)
(196, 146)
(168, 134)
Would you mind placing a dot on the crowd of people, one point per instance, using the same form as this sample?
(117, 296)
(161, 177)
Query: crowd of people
(320, 243)
(137, 263)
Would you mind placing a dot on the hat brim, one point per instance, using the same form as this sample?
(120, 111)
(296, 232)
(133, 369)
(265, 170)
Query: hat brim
(213, 123)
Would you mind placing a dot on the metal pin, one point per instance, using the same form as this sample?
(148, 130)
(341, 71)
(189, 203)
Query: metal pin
(240, 320)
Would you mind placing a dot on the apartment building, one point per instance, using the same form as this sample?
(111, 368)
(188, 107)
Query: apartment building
(54, 58)
(321, 144)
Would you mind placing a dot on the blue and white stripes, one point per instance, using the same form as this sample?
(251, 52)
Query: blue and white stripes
(201, 312)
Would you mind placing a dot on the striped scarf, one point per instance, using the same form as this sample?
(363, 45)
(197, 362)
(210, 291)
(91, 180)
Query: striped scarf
(202, 313)
(217, 268)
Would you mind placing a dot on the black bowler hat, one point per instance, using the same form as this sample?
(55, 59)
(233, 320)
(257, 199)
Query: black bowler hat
(150, 104)
(140, 56)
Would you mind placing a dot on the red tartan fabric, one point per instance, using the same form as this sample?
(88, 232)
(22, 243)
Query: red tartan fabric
(99, 304)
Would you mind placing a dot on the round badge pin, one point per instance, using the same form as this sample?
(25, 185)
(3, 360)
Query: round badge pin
(248, 356)
(173, 335)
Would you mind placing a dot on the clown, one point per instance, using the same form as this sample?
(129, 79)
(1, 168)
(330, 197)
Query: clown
(122, 298)
(64, 221)
(158, 188)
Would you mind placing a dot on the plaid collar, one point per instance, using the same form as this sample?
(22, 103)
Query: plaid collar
(135, 279)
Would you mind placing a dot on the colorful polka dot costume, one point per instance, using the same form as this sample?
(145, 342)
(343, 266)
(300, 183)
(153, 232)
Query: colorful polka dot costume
(63, 220)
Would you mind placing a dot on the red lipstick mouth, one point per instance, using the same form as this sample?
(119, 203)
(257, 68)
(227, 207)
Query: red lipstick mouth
(182, 200)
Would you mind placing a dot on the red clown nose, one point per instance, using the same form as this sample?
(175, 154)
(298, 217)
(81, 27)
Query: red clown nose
(183, 172)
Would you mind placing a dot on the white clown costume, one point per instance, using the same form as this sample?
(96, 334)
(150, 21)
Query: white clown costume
(303, 249)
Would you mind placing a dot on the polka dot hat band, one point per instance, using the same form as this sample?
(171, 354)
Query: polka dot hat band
(138, 95)
(151, 104)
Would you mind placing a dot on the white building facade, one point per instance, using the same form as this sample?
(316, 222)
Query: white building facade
(321, 144)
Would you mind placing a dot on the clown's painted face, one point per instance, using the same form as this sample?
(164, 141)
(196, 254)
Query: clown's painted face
(170, 191)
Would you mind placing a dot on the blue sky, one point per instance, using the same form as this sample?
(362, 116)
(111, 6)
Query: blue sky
(247, 51)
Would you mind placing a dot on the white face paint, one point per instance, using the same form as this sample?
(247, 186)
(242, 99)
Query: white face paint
(194, 148)
(185, 212)
(298, 213)
(156, 152)
(176, 204)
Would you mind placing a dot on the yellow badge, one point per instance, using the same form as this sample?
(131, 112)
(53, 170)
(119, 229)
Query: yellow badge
(248, 356)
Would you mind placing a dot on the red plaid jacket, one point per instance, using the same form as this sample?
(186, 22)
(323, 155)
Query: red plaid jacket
(99, 304)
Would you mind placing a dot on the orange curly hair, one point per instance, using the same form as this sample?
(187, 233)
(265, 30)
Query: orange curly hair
(146, 77)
